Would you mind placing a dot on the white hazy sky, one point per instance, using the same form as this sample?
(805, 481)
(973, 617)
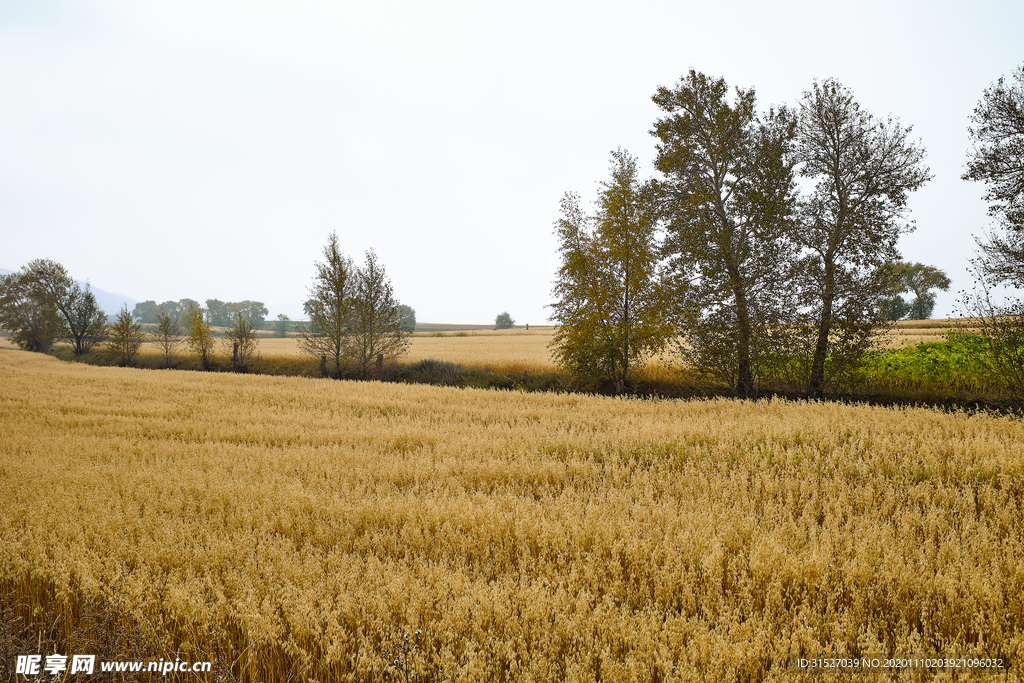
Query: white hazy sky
(206, 149)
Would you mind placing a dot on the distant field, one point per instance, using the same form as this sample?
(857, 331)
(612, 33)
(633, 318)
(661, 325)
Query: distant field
(501, 350)
(297, 529)
(518, 349)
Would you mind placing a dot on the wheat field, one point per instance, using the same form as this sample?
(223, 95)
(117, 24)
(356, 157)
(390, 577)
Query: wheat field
(293, 529)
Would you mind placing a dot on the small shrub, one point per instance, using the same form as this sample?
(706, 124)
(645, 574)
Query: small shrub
(436, 372)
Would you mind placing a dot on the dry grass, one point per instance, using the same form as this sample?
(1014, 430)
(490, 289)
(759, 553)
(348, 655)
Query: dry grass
(501, 350)
(912, 332)
(296, 529)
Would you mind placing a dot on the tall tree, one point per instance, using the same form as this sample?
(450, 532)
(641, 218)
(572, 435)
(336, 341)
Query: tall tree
(146, 311)
(408, 314)
(173, 309)
(27, 312)
(281, 325)
(241, 339)
(997, 131)
(863, 170)
(126, 336)
(199, 339)
(86, 323)
(167, 335)
(727, 196)
(376, 322)
(186, 307)
(912, 277)
(253, 311)
(218, 312)
(329, 308)
(612, 304)
(921, 280)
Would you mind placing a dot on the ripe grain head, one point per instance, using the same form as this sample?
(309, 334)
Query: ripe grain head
(302, 526)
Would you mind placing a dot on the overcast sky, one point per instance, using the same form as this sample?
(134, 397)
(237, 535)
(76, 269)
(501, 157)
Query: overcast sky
(164, 149)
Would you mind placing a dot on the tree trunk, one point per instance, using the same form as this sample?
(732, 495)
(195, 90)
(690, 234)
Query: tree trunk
(824, 327)
(625, 339)
(744, 372)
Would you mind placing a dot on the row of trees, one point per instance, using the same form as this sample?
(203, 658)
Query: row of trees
(42, 304)
(354, 319)
(759, 281)
(239, 337)
(218, 313)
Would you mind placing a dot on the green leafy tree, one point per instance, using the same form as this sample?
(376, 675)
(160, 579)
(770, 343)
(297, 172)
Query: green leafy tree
(408, 314)
(997, 132)
(503, 321)
(27, 312)
(375, 320)
(146, 311)
(727, 197)
(241, 341)
(281, 326)
(329, 329)
(863, 171)
(218, 313)
(167, 335)
(186, 306)
(126, 336)
(200, 339)
(611, 301)
(912, 277)
(254, 311)
(173, 308)
(85, 322)
(891, 304)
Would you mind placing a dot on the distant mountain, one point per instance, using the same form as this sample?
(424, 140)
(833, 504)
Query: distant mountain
(110, 303)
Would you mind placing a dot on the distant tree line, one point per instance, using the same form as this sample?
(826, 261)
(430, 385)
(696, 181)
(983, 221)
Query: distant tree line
(355, 321)
(42, 304)
(756, 280)
(218, 313)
